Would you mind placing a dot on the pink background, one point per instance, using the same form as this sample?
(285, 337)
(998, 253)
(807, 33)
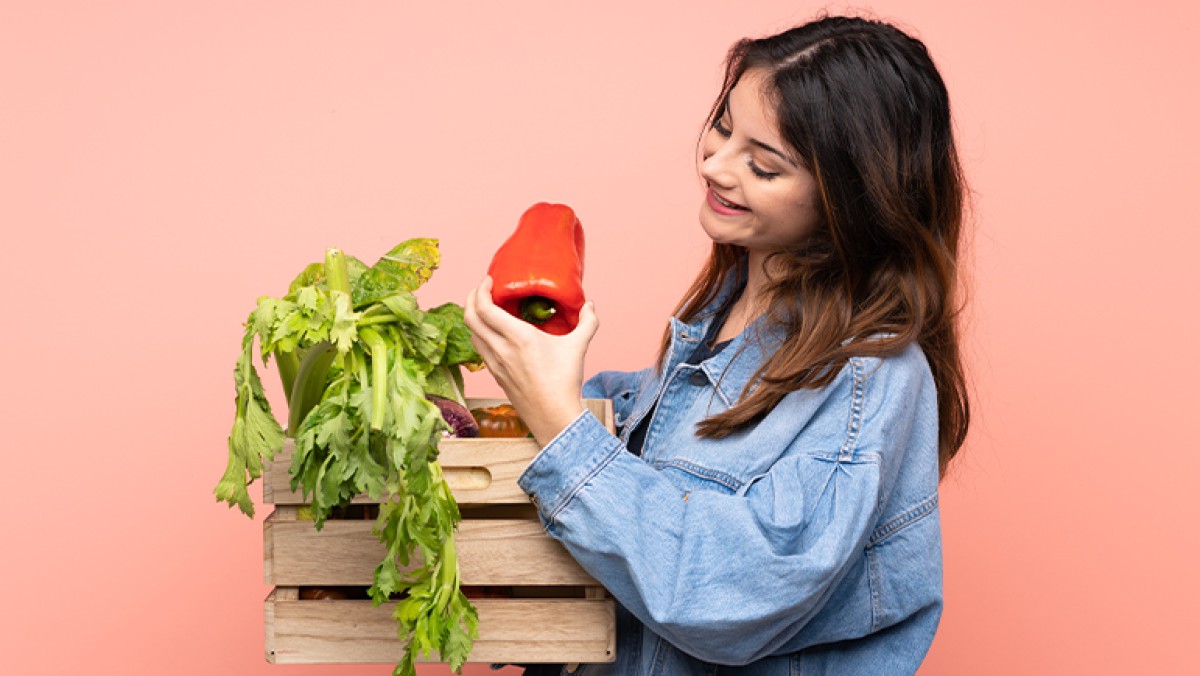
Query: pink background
(163, 164)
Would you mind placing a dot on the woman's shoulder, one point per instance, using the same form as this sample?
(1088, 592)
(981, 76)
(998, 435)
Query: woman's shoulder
(908, 363)
(869, 398)
(906, 368)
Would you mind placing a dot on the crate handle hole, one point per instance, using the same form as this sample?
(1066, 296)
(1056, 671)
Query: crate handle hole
(467, 478)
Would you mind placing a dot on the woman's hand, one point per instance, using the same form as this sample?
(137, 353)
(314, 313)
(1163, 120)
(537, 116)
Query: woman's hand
(541, 374)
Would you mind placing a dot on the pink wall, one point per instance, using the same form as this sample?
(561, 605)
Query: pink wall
(163, 164)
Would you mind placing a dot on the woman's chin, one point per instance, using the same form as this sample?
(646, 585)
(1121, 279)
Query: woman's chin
(718, 232)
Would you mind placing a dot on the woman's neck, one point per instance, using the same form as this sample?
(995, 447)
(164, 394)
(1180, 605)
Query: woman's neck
(750, 303)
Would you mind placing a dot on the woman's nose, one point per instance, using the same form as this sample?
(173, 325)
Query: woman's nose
(715, 168)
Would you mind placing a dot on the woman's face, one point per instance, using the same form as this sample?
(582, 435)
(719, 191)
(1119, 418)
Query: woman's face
(760, 196)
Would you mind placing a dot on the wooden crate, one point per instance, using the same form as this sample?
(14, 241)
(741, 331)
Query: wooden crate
(557, 613)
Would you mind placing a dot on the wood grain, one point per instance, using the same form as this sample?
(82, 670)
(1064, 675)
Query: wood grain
(510, 630)
(490, 552)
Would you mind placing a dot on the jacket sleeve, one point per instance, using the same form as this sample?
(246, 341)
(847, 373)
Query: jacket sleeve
(727, 578)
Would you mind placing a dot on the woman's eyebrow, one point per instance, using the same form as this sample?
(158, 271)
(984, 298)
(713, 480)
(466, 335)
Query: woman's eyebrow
(760, 144)
(769, 149)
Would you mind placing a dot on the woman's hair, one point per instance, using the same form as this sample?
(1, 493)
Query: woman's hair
(863, 105)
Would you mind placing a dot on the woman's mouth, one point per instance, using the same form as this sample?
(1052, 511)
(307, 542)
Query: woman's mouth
(724, 206)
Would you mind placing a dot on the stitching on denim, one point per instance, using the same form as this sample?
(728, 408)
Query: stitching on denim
(636, 418)
(856, 409)
(660, 657)
(899, 523)
(718, 389)
(873, 581)
(864, 457)
(604, 462)
(714, 475)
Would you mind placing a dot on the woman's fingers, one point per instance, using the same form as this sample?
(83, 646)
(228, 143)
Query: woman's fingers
(487, 311)
(483, 337)
(588, 323)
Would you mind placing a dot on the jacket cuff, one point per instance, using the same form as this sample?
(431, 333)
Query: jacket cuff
(567, 463)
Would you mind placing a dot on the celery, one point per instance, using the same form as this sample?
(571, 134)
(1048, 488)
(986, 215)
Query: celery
(344, 330)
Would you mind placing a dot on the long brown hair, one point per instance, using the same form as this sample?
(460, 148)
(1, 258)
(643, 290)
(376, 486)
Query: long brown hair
(863, 104)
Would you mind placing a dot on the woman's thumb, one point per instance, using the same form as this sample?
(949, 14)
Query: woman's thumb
(588, 322)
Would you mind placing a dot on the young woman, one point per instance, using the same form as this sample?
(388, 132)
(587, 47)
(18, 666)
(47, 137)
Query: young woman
(771, 500)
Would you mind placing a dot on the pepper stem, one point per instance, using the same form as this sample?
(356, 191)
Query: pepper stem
(537, 309)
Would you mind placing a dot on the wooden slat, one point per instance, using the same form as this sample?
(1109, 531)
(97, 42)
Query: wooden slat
(510, 630)
(479, 471)
(490, 552)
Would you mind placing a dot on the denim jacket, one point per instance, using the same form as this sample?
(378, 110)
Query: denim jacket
(807, 544)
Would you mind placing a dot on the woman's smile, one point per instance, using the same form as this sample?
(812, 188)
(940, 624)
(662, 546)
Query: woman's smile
(723, 206)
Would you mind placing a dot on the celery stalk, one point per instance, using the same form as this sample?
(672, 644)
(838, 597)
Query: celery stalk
(337, 273)
(309, 385)
(379, 368)
(288, 364)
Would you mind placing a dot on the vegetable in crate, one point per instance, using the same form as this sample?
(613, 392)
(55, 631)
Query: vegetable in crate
(500, 422)
(360, 363)
(537, 274)
(459, 419)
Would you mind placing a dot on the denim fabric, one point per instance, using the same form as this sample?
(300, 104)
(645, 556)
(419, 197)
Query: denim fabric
(809, 543)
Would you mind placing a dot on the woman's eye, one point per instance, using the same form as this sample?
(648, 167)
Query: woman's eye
(760, 173)
(720, 128)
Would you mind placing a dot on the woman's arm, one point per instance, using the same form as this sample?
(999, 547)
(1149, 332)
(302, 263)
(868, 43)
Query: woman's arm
(726, 578)
(732, 578)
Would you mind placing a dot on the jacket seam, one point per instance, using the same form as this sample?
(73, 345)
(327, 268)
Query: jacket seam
(637, 417)
(899, 523)
(713, 475)
(660, 657)
(856, 410)
(873, 579)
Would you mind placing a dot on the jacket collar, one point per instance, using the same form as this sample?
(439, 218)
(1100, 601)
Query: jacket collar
(735, 365)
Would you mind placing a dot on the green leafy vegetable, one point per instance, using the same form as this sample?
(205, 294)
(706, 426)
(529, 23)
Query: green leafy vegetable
(357, 356)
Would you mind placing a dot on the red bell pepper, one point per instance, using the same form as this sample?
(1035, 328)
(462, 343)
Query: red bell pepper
(537, 274)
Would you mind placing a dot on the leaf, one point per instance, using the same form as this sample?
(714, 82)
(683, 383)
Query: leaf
(403, 305)
(459, 350)
(256, 435)
(312, 275)
(387, 581)
(459, 640)
(412, 261)
(345, 323)
(403, 269)
(373, 286)
(443, 383)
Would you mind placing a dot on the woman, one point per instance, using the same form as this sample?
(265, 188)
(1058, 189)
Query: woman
(770, 502)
